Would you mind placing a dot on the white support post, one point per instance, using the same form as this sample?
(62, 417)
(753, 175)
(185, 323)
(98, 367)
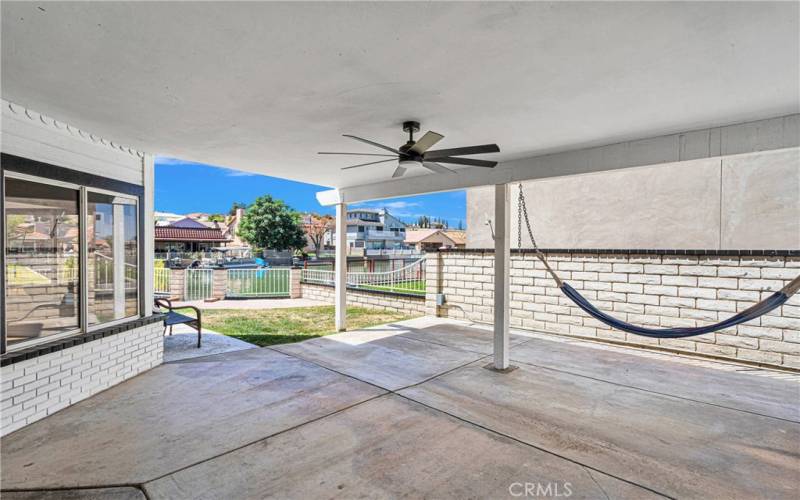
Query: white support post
(502, 266)
(148, 238)
(340, 281)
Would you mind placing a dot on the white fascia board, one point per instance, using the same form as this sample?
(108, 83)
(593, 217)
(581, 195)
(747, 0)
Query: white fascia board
(33, 135)
(762, 135)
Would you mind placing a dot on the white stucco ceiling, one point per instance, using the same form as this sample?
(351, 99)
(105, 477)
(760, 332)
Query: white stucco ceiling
(264, 86)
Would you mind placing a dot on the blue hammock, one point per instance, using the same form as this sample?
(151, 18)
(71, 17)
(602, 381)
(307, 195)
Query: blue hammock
(774, 301)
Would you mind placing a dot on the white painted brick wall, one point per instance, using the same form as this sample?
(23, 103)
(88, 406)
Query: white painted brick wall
(35, 388)
(651, 290)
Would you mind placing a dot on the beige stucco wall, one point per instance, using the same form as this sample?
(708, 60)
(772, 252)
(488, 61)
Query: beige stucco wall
(747, 201)
(761, 201)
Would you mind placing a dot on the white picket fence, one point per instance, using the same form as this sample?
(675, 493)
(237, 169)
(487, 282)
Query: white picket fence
(408, 279)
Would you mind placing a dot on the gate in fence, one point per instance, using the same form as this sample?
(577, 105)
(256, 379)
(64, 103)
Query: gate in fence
(199, 284)
(272, 282)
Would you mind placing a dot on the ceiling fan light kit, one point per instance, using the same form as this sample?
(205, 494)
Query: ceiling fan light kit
(417, 153)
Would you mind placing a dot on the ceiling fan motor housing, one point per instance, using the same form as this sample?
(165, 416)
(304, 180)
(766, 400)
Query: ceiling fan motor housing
(410, 127)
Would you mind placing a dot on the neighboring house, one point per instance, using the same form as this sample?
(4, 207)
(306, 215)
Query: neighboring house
(192, 234)
(459, 237)
(373, 229)
(167, 218)
(433, 239)
(231, 229)
(188, 235)
(198, 216)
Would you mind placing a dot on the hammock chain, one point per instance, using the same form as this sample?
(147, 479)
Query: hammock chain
(523, 212)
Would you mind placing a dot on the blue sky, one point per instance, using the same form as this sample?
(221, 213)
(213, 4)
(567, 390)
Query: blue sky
(185, 187)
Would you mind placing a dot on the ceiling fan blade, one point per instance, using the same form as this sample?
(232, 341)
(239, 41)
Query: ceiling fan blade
(470, 150)
(377, 145)
(426, 141)
(435, 167)
(370, 163)
(468, 161)
(354, 154)
(398, 172)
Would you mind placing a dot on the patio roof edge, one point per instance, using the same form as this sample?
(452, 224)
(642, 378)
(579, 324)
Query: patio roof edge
(749, 137)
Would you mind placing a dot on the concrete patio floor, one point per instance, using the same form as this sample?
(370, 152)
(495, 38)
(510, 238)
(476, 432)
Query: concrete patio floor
(408, 410)
(182, 344)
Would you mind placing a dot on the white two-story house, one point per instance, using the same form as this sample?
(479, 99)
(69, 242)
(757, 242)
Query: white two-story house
(373, 229)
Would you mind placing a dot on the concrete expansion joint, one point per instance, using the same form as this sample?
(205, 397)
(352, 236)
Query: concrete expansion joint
(534, 446)
(637, 388)
(136, 486)
(397, 393)
(264, 438)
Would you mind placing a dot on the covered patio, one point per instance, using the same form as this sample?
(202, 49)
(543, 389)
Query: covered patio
(433, 407)
(408, 410)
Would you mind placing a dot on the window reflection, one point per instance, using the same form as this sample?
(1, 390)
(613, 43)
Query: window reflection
(113, 258)
(42, 260)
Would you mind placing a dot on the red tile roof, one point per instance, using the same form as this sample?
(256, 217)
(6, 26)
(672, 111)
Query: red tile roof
(169, 233)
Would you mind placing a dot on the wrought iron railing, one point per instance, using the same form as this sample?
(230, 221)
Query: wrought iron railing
(409, 279)
(199, 284)
(270, 282)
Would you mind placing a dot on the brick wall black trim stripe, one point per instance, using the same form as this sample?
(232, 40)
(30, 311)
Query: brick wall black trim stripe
(637, 251)
(12, 357)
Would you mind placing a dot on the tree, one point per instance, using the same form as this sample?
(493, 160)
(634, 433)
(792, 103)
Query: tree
(316, 227)
(216, 218)
(423, 222)
(270, 223)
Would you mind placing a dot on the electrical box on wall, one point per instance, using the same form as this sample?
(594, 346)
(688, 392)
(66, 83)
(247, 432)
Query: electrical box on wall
(440, 299)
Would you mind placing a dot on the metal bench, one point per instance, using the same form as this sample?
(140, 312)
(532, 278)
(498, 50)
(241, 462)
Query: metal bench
(175, 318)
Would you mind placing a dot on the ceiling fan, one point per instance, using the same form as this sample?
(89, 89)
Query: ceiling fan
(416, 153)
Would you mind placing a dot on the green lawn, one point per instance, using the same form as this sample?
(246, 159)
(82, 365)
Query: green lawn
(416, 287)
(281, 326)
